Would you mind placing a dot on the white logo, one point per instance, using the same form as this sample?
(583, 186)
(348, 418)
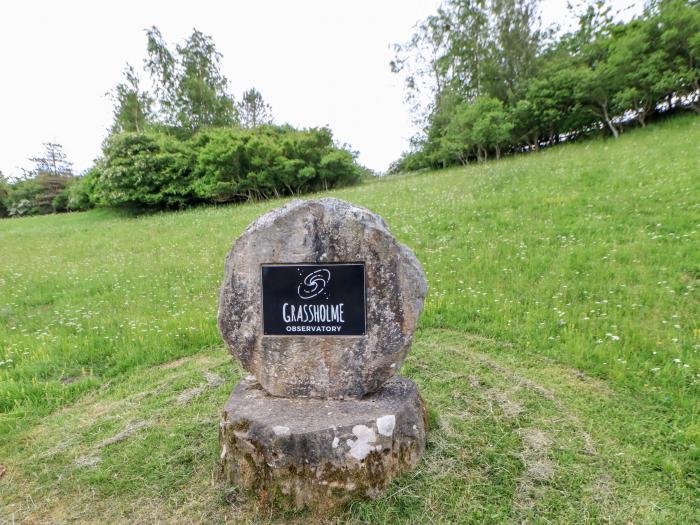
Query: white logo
(314, 284)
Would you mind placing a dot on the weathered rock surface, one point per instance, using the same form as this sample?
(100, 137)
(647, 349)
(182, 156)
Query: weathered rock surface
(322, 231)
(319, 453)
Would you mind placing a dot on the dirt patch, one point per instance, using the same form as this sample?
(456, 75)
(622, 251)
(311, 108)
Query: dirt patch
(588, 446)
(602, 489)
(87, 461)
(536, 445)
(510, 408)
(539, 469)
(213, 380)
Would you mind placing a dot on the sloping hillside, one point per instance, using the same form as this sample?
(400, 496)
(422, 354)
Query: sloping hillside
(559, 350)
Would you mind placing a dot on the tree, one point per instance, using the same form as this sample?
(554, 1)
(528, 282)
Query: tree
(132, 106)
(679, 23)
(47, 182)
(517, 42)
(53, 162)
(594, 21)
(493, 127)
(448, 51)
(190, 88)
(642, 69)
(253, 111)
(600, 82)
(475, 129)
(4, 195)
(472, 55)
(554, 102)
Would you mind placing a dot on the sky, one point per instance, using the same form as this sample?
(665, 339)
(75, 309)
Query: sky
(316, 62)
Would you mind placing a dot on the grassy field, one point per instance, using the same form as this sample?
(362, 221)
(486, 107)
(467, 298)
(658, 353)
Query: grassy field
(559, 349)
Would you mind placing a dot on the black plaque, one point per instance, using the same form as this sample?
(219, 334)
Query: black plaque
(313, 299)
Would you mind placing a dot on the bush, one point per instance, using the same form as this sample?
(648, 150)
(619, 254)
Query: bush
(4, 195)
(81, 191)
(409, 161)
(144, 169)
(157, 169)
(44, 193)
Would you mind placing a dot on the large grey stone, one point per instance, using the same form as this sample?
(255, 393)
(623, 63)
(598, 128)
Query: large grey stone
(319, 453)
(322, 231)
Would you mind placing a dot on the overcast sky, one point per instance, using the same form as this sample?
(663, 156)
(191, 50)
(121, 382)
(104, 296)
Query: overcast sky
(316, 62)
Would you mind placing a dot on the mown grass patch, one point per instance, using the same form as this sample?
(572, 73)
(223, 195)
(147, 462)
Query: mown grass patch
(515, 437)
(560, 337)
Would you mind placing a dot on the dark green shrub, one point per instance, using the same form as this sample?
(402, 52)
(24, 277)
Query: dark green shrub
(221, 161)
(268, 161)
(144, 169)
(4, 196)
(81, 191)
(22, 197)
(44, 193)
(157, 169)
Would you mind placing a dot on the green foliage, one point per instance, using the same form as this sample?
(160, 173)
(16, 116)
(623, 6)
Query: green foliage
(44, 193)
(44, 189)
(156, 169)
(4, 195)
(604, 75)
(678, 22)
(144, 169)
(184, 145)
(191, 90)
(132, 106)
(80, 193)
(253, 111)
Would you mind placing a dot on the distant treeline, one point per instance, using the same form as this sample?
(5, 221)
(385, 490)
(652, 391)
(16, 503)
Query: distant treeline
(497, 82)
(183, 142)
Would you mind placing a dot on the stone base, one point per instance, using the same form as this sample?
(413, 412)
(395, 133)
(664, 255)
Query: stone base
(319, 453)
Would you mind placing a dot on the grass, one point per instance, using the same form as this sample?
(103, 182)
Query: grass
(559, 349)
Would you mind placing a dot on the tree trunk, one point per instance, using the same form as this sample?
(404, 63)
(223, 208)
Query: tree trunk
(640, 118)
(609, 121)
(498, 152)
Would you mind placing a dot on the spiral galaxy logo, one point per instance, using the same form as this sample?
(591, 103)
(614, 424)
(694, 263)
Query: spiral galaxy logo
(314, 284)
(298, 299)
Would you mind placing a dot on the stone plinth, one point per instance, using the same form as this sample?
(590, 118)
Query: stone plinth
(319, 453)
(324, 365)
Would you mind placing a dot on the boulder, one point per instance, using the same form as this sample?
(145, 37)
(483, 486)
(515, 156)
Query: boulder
(325, 365)
(319, 453)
